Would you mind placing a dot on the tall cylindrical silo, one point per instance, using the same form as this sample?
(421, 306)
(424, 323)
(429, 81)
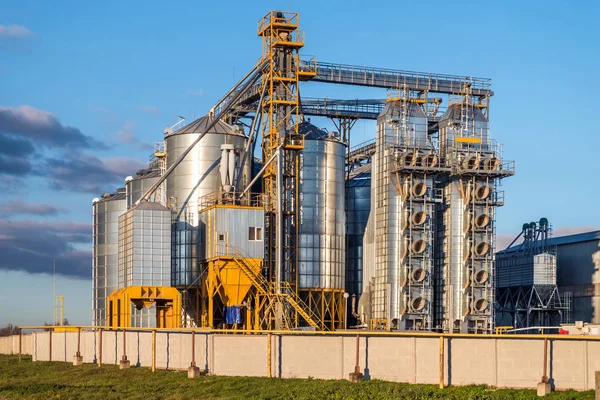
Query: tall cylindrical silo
(321, 231)
(105, 251)
(196, 177)
(358, 196)
(136, 186)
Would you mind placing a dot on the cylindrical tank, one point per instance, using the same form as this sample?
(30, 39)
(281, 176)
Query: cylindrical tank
(358, 196)
(138, 185)
(322, 217)
(105, 254)
(196, 177)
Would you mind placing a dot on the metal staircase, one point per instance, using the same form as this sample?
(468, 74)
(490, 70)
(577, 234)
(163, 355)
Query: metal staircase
(288, 295)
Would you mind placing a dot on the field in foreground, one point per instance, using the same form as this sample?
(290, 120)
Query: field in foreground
(55, 380)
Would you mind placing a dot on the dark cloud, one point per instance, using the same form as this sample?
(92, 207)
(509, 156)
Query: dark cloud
(15, 207)
(31, 246)
(43, 128)
(82, 172)
(14, 145)
(16, 166)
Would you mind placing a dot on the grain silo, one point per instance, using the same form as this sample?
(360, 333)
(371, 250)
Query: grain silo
(105, 251)
(321, 230)
(197, 176)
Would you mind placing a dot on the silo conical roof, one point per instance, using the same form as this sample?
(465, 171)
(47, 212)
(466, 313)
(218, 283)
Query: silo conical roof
(200, 125)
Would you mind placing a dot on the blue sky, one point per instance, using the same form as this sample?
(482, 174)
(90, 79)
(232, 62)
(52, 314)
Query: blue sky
(87, 87)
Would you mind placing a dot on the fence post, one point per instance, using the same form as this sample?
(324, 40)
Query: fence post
(269, 355)
(20, 343)
(543, 387)
(193, 371)
(78, 360)
(50, 343)
(357, 376)
(441, 362)
(153, 351)
(125, 363)
(100, 348)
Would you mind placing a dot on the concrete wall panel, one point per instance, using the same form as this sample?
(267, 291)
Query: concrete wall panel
(240, 355)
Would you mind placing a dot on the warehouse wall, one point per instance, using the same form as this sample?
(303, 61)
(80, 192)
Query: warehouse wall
(500, 362)
(578, 272)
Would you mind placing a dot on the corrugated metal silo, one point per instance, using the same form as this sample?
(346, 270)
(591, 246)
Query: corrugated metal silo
(105, 251)
(358, 197)
(196, 177)
(321, 231)
(138, 185)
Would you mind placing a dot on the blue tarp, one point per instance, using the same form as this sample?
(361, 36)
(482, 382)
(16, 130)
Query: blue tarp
(233, 315)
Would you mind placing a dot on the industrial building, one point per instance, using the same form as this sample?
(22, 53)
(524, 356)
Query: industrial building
(211, 236)
(548, 281)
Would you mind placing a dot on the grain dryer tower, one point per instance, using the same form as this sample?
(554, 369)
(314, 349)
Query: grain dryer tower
(404, 216)
(466, 219)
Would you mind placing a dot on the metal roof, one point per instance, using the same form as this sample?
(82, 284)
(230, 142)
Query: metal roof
(311, 132)
(563, 240)
(200, 125)
(454, 113)
(360, 176)
(150, 205)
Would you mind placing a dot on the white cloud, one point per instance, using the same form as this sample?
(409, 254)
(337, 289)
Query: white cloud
(149, 109)
(198, 92)
(127, 135)
(14, 31)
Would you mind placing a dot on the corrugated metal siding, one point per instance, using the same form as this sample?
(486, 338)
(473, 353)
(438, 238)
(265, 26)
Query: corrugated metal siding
(234, 225)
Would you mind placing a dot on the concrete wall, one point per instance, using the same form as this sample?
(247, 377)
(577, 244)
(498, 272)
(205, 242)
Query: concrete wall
(10, 344)
(502, 361)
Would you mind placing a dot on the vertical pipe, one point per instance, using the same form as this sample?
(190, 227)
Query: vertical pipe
(279, 224)
(441, 362)
(269, 336)
(54, 286)
(153, 351)
(20, 343)
(193, 349)
(100, 348)
(50, 344)
(62, 310)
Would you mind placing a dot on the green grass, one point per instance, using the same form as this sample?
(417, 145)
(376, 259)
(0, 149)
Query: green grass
(55, 380)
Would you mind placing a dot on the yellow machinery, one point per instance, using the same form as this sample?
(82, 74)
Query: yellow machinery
(234, 292)
(167, 300)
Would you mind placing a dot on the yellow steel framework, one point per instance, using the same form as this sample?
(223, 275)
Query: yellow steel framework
(281, 114)
(167, 300)
(281, 41)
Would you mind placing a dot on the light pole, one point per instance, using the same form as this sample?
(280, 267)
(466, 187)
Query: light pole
(346, 295)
